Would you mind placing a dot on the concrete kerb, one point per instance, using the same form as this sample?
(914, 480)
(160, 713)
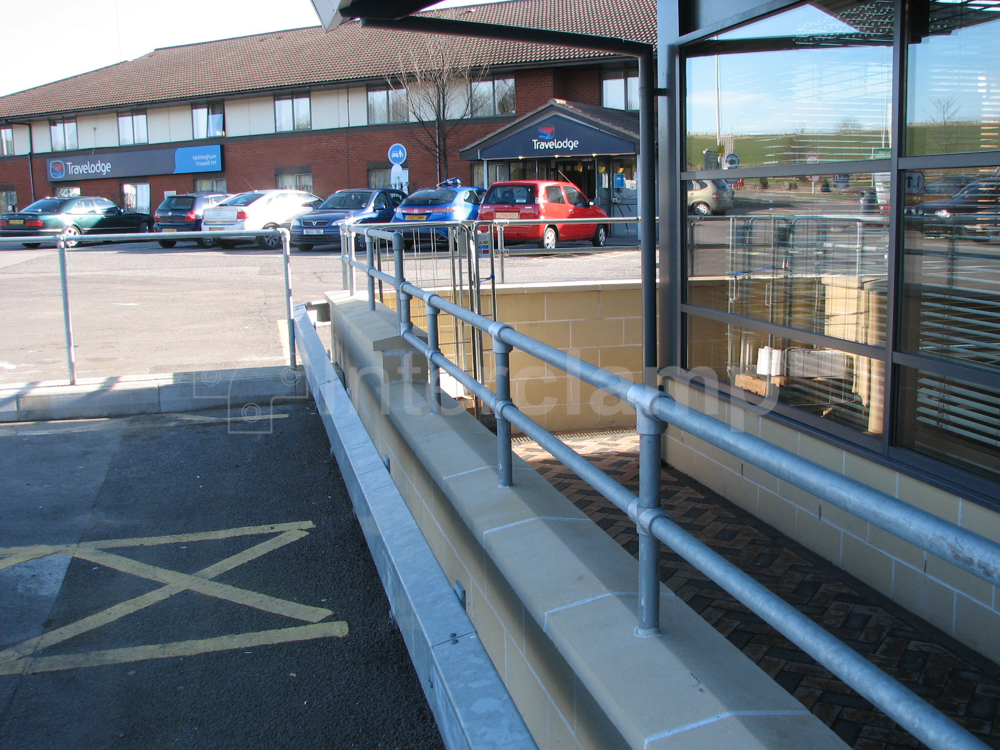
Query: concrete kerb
(470, 702)
(255, 389)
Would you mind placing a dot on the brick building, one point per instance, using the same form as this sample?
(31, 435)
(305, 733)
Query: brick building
(306, 109)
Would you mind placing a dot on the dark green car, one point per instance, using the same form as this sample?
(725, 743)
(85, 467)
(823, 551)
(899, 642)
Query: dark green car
(72, 217)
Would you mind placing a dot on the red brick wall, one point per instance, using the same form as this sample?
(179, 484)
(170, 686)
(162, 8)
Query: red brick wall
(534, 88)
(579, 85)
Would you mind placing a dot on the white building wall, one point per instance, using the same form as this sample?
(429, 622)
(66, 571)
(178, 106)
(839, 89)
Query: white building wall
(237, 114)
(158, 125)
(97, 131)
(357, 105)
(181, 126)
(41, 136)
(261, 115)
(325, 106)
(22, 139)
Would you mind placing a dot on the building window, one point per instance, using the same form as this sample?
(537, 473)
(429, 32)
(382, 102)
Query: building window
(208, 120)
(387, 105)
(6, 141)
(63, 135)
(135, 197)
(292, 113)
(298, 178)
(210, 185)
(492, 97)
(620, 90)
(8, 201)
(67, 192)
(132, 128)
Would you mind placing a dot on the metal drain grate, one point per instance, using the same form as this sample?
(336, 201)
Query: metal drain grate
(521, 439)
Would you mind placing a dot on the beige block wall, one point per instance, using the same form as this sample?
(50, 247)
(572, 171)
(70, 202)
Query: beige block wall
(958, 603)
(601, 323)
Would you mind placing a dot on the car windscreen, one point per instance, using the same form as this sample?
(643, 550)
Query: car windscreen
(432, 197)
(243, 199)
(178, 203)
(44, 206)
(349, 199)
(510, 194)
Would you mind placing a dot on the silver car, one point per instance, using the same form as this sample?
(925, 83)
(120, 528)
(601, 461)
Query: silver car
(259, 209)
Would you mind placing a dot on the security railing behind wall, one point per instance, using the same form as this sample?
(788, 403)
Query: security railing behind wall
(66, 244)
(655, 410)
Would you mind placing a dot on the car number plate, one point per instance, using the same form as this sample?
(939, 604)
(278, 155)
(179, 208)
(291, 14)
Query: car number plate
(312, 231)
(17, 221)
(167, 229)
(216, 229)
(507, 215)
(417, 217)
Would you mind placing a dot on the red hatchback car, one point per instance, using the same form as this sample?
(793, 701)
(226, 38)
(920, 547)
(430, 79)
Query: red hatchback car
(545, 201)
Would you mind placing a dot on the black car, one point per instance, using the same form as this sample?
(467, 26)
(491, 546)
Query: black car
(72, 217)
(183, 213)
(361, 206)
(973, 211)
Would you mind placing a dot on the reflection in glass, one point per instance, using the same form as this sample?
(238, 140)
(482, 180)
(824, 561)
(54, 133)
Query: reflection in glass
(953, 95)
(810, 84)
(811, 258)
(837, 386)
(951, 282)
(950, 420)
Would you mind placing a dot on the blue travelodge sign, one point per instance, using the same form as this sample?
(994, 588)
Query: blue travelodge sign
(556, 136)
(185, 160)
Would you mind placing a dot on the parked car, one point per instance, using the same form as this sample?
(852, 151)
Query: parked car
(972, 211)
(183, 213)
(72, 217)
(321, 226)
(548, 201)
(449, 201)
(709, 197)
(256, 210)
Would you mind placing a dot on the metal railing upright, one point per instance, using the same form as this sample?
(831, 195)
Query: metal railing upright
(655, 410)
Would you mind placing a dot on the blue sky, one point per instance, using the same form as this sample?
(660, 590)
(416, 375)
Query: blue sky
(104, 32)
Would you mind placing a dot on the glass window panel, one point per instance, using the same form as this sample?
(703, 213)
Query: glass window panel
(953, 92)
(71, 142)
(398, 111)
(812, 258)
(216, 120)
(613, 93)
(125, 135)
(302, 113)
(951, 280)
(504, 93)
(6, 141)
(482, 98)
(139, 128)
(58, 136)
(199, 118)
(632, 86)
(378, 107)
(951, 420)
(283, 119)
(835, 385)
(817, 86)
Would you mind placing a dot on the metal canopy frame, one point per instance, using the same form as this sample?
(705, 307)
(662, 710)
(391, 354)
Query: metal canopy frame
(394, 14)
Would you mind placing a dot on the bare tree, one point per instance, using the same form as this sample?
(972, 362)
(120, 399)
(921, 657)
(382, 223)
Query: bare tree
(441, 93)
(942, 120)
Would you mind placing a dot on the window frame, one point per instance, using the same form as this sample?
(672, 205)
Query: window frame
(128, 122)
(300, 103)
(63, 127)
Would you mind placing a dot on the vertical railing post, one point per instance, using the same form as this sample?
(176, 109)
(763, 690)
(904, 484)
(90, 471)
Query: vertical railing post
(650, 431)
(286, 250)
(351, 284)
(433, 347)
(67, 318)
(369, 258)
(345, 266)
(501, 360)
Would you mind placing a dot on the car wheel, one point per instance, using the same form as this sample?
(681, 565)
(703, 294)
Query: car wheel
(143, 227)
(205, 242)
(69, 233)
(269, 241)
(549, 238)
(226, 244)
(167, 243)
(304, 248)
(702, 209)
(31, 244)
(600, 238)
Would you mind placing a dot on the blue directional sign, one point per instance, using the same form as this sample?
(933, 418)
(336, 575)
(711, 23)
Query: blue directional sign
(397, 153)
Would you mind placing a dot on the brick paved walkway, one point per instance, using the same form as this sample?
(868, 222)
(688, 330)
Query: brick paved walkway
(951, 677)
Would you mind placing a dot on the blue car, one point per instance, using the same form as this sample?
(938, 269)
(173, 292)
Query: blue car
(363, 206)
(449, 201)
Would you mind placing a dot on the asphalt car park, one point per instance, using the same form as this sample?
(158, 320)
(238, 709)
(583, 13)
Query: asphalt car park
(193, 581)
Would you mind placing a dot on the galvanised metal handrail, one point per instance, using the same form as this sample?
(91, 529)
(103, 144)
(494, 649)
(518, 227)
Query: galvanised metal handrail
(64, 243)
(654, 409)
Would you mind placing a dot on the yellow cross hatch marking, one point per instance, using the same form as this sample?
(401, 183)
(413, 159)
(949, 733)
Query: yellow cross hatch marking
(21, 659)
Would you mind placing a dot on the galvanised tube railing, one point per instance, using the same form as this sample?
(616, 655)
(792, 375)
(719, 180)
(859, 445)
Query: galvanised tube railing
(655, 408)
(64, 243)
